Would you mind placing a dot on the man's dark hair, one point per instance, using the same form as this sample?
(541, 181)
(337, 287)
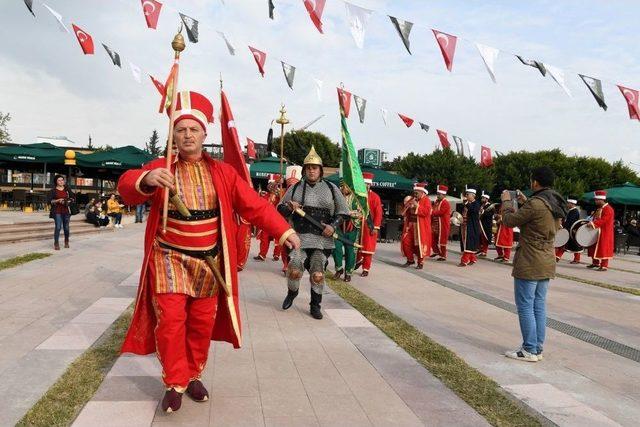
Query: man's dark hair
(544, 175)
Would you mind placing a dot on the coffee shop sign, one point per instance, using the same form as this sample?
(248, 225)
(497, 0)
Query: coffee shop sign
(384, 184)
(22, 157)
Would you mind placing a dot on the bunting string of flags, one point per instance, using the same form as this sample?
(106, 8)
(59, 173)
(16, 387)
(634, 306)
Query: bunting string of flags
(357, 18)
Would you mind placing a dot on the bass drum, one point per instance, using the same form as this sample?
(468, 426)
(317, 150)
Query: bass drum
(562, 237)
(456, 219)
(583, 234)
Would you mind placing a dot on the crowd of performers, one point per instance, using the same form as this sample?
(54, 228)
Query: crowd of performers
(196, 243)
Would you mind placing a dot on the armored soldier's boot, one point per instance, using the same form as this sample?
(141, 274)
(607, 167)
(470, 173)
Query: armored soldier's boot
(288, 300)
(316, 299)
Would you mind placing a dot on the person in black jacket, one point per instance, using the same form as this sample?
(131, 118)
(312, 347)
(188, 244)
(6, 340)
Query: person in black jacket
(60, 198)
(572, 246)
(486, 224)
(470, 230)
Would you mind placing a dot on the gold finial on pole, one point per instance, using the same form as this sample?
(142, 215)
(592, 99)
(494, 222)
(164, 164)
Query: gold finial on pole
(178, 43)
(282, 120)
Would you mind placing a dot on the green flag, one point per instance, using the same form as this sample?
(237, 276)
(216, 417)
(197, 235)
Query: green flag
(350, 171)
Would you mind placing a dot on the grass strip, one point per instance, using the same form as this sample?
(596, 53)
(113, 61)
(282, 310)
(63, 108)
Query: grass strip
(22, 259)
(479, 391)
(62, 403)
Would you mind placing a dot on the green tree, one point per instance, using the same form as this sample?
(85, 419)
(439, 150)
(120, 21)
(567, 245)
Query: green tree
(296, 147)
(5, 137)
(152, 146)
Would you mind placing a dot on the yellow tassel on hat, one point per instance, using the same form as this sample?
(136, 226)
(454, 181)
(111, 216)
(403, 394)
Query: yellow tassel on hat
(313, 158)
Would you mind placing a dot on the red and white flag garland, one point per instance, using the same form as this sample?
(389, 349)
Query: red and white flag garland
(260, 58)
(151, 11)
(444, 139)
(315, 9)
(631, 96)
(485, 157)
(344, 98)
(85, 40)
(406, 120)
(447, 44)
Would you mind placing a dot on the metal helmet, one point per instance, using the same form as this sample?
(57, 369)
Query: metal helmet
(313, 158)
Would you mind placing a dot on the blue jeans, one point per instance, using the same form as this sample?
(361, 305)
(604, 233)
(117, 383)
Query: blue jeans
(530, 296)
(140, 212)
(62, 222)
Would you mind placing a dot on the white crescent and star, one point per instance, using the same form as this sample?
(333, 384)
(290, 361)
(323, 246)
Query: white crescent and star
(444, 38)
(258, 56)
(82, 36)
(231, 124)
(147, 11)
(631, 97)
(313, 4)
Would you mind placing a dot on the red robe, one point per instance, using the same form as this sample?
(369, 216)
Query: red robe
(504, 236)
(369, 241)
(234, 196)
(423, 224)
(441, 212)
(407, 227)
(243, 239)
(603, 220)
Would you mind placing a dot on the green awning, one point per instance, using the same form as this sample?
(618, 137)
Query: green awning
(266, 166)
(381, 180)
(127, 157)
(626, 194)
(33, 153)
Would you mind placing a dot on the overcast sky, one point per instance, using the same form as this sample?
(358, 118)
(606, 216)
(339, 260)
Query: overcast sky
(51, 88)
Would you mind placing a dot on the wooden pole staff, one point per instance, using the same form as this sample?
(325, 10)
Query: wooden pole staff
(178, 46)
(282, 120)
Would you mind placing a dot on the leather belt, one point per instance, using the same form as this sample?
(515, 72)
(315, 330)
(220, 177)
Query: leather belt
(196, 215)
(196, 254)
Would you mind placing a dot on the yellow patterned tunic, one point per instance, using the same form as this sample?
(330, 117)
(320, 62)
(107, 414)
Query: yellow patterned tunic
(173, 271)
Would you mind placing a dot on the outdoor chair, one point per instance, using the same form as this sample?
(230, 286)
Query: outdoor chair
(620, 243)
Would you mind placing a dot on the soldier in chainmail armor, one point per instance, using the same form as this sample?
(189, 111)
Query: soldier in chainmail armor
(324, 202)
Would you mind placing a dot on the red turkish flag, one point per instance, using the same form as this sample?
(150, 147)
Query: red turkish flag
(251, 149)
(158, 85)
(485, 157)
(407, 121)
(260, 58)
(444, 139)
(151, 10)
(232, 153)
(447, 44)
(165, 102)
(631, 96)
(85, 40)
(344, 98)
(315, 9)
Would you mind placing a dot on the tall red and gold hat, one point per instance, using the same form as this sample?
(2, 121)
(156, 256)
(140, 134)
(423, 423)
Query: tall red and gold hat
(420, 186)
(192, 105)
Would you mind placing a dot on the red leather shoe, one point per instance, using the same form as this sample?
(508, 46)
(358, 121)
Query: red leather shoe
(197, 391)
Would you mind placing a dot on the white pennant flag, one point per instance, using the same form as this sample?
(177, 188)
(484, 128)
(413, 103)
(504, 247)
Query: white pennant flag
(558, 75)
(384, 116)
(318, 88)
(358, 18)
(232, 50)
(59, 18)
(489, 55)
(471, 146)
(137, 73)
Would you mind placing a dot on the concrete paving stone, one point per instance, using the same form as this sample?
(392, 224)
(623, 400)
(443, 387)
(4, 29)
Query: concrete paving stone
(348, 318)
(136, 366)
(117, 388)
(116, 414)
(558, 406)
(291, 421)
(109, 305)
(284, 396)
(96, 318)
(236, 412)
(235, 384)
(73, 336)
(335, 410)
(275, 364)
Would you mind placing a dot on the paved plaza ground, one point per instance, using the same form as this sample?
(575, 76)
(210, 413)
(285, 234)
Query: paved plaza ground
(294, 370)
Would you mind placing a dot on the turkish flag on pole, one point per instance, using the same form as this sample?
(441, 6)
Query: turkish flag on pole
(165, 102)
(158, 85)
(260, 58)
(407, 121)
(251, 149)
(85, 40)
(344, 98)
(447, 44)
(631, 96)
(444, 139)
(485, 157)
(315, 9)
(151, 10)
(232, 153)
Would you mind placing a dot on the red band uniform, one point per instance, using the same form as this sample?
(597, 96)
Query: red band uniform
(273, 197)
(504, 239)
(419, 235)
(442, 223)
(181, 306)
(603, 219)
(369, 237)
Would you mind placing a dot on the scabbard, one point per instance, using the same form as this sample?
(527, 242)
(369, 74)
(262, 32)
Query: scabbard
(319, 226)
(216, 272)
(179, 204)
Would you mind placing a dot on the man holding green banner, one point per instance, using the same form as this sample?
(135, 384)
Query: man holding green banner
(350, 229)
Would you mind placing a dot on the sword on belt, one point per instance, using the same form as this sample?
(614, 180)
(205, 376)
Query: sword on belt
(184, 211)
(320, 226)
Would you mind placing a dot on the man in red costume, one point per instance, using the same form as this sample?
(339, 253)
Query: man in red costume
(603, 219)
(406, 241)
(504, 240)
(419, 234)
(273, 197)
(441, 223)
(188, 291)
(370, 228)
